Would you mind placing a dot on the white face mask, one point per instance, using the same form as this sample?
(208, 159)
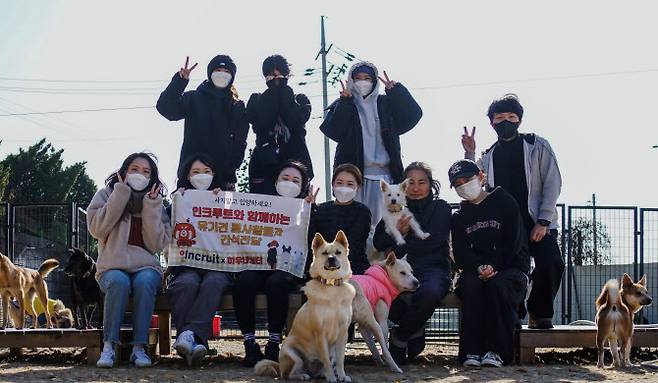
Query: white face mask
(221, 79)
(201, 181)
(137, 181)
(470, 190)
(344, 194)
(288, 189)
(363, 87)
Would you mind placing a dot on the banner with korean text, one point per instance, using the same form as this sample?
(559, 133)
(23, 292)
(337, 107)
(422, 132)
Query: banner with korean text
(233, 231)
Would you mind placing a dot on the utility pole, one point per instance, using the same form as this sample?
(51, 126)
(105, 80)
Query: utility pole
(596, 257)
(327, 158)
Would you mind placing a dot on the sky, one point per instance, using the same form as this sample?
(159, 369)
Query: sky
(586, 73)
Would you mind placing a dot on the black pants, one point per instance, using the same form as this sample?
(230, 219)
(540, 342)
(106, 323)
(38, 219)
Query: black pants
(547, 275)
(489, 313)
(276, 285)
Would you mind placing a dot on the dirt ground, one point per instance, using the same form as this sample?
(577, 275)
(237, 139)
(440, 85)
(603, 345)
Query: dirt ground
(437, 363)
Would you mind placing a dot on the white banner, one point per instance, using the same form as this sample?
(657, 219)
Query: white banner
(233, 231)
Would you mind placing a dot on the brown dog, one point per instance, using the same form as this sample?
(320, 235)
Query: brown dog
(615, 310)
(318, 335)
(23, 284)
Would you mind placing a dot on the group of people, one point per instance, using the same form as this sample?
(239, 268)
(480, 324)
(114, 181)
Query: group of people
(508, 214)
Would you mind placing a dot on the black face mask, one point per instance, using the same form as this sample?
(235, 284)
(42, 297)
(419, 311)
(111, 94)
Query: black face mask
(506, 129)
(416, 205)
(281, 81)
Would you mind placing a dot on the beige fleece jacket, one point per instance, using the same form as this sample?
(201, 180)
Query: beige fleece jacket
(107, 222)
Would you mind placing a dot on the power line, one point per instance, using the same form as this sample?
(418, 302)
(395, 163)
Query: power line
(77, 111)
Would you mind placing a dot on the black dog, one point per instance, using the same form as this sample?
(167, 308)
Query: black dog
(85, 291)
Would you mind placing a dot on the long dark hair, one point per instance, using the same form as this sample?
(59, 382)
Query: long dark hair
(424, 167)
(184, 182)
(155, 177)
(302, 169)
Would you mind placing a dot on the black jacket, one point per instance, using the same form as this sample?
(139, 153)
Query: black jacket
(264, 111)
(398, 114)
(429, 253)
(215, 124)
(490, 233)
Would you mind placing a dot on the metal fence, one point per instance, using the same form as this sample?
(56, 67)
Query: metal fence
(597, 243)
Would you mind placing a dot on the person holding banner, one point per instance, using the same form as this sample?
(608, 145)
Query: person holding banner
(367, 127)
(194, 294)
(215, 118)
(346, 214)
(131, 225)
(292, 182)
(278, 118)
(429, 259)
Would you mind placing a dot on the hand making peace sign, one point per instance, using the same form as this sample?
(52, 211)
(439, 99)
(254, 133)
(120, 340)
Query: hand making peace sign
(468, 141)
(345, 92)
(155, 191)
(185, 71)
(388, 83)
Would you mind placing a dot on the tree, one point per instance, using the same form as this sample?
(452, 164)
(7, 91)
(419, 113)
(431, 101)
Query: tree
(38, 174)
(590, 244)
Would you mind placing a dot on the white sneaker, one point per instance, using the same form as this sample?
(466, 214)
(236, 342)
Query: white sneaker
(140, 359)
(184, 343)
(473, 361)
(492, 359)
(106, 360)
(198, 353)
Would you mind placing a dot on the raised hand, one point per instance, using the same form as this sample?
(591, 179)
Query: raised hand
(388, 83)
(345, 92)
(155, 191)
(468, 141)
(312, 196)
(184, 72)
(121, 179)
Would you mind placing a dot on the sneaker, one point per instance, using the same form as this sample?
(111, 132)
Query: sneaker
(416, 345)
(272, 351)
(184, 344)
(198, 353)
(492, 359)
(398, 353)
(473, 361)
(106, 360)
(140, 359)
(252, 353)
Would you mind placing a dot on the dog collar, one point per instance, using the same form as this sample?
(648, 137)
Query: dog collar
(330, 282)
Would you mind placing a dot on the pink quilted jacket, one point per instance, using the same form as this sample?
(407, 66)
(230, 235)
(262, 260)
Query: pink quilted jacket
(377, 285)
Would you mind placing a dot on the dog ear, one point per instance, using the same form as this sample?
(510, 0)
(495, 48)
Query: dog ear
(626, 281)
(404, 185)
(318, 241)
(342, 239)
(643, 281)
(384, 185)
(391, 259)
(405, 258)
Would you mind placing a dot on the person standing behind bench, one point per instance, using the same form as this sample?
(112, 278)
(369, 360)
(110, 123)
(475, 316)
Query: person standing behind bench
(278, 118)
(194, 294)
(215, 118)
(130, 223)
(367, 127)
(526, 167)
(490, 247)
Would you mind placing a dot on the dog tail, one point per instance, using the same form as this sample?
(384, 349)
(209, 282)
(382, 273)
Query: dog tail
(267, 367)
(609, 294)
(47, 266)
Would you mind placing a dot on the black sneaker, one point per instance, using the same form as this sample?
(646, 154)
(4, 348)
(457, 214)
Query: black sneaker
(252, 353)
(272, 351)
(398, 353)
(415, 346)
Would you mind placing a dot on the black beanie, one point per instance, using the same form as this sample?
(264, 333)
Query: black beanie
(222, 61)
(508, 103)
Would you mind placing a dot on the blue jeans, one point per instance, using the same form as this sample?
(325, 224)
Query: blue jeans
(117, 286)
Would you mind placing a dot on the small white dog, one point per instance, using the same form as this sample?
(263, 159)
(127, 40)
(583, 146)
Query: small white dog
(395, 207)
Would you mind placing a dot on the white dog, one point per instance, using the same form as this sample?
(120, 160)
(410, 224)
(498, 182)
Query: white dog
(395, 207)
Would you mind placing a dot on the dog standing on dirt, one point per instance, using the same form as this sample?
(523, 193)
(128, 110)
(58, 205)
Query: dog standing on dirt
(318, 335)
(62, 317)
(85, 292)
(395, 207)
(615, 310)
(23, 284)
(375, 291)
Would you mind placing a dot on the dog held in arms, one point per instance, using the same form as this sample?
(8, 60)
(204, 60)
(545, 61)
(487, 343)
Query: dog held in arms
(318, 335)
(375, 290)
(615, 310)
(395, 208)
(23, 284)
(85, 291)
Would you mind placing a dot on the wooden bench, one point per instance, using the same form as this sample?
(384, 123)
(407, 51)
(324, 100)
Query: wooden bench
(92, 340)
(574, 337)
